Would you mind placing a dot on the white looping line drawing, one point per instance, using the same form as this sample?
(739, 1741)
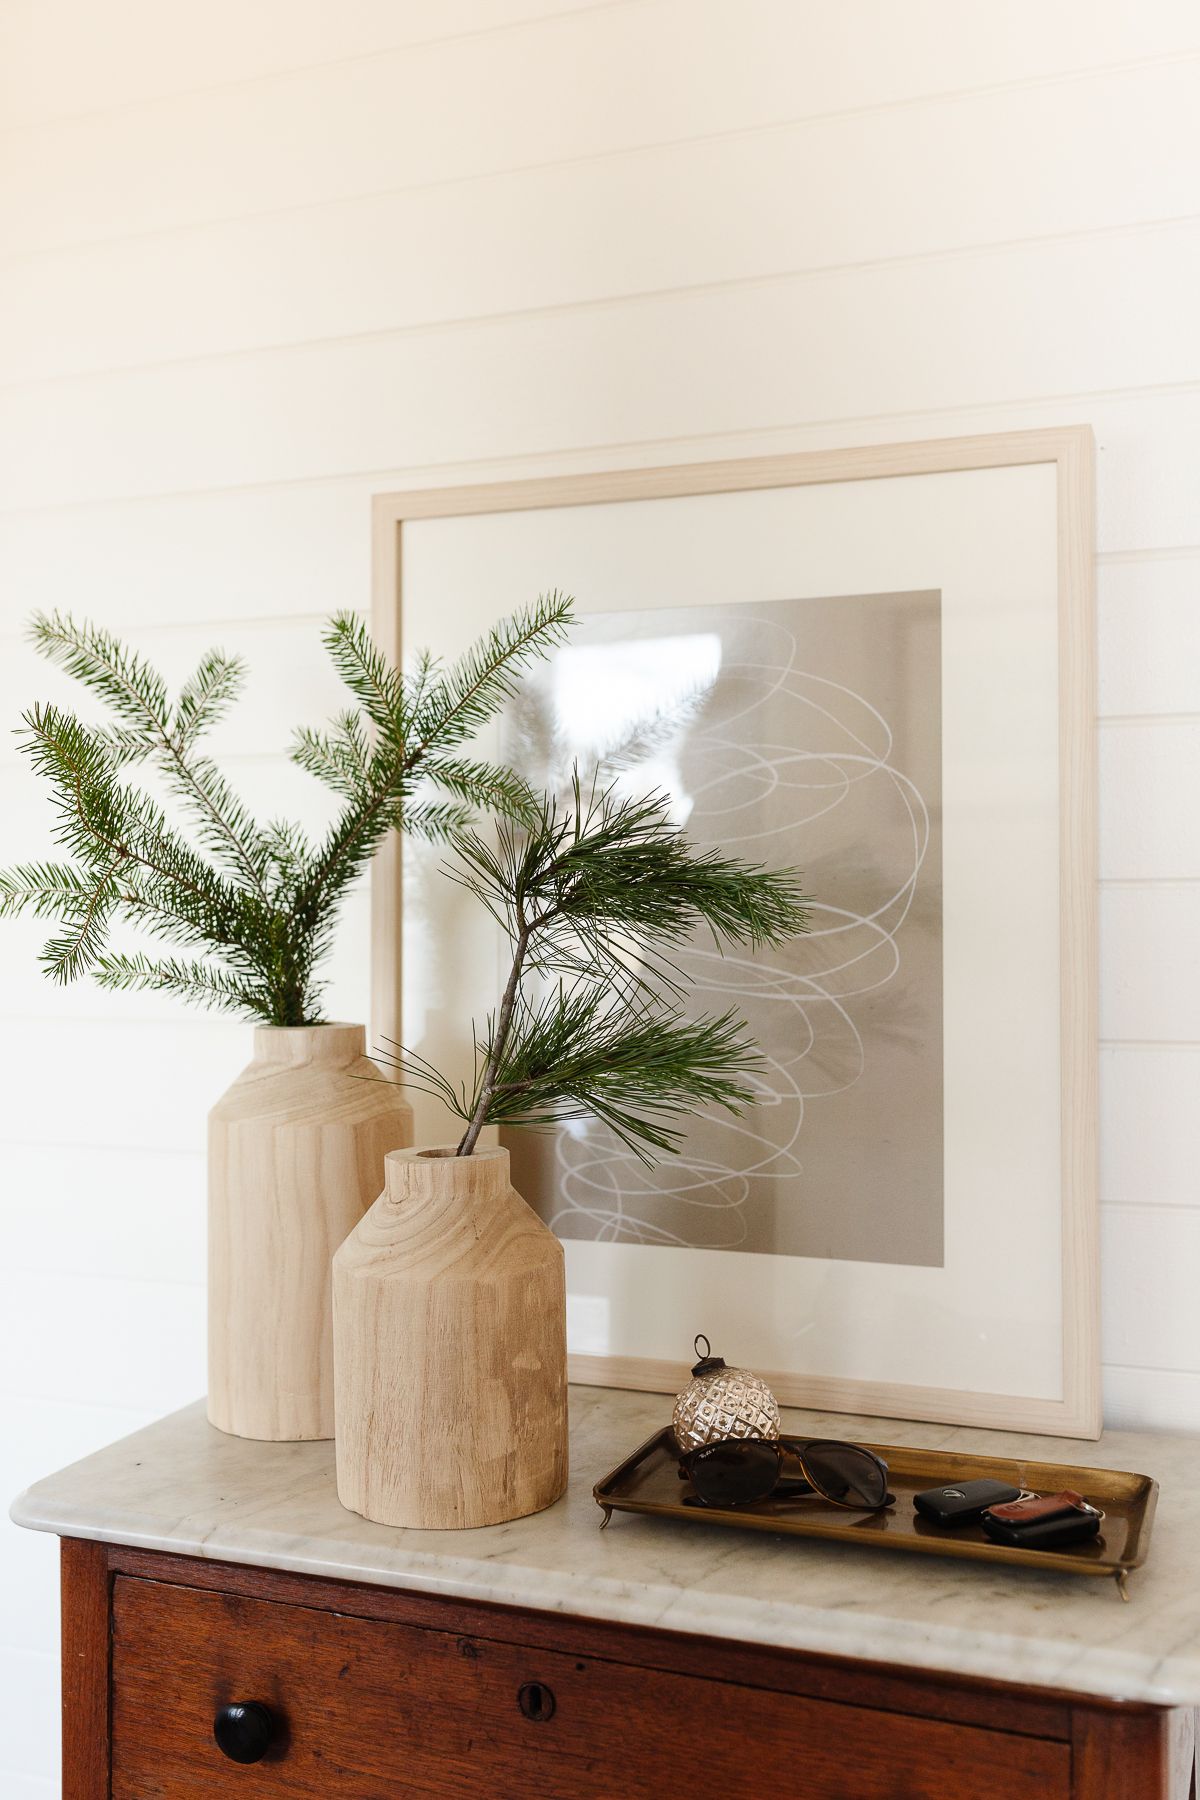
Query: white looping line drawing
(801, 1020)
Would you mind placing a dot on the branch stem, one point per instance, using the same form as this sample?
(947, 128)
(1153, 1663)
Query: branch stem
(504, 1020)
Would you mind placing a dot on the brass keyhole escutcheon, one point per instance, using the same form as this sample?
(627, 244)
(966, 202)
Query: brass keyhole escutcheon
(536, 1701)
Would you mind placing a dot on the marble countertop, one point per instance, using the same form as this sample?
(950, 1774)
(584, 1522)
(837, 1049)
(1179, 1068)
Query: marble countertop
(184, 1487)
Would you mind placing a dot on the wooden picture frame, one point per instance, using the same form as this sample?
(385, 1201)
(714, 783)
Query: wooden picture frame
(1068, 453)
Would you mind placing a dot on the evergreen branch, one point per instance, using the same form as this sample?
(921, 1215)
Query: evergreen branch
(136, 692)
(485, 785)
(262, 901)
(124, 744)
(340, 757)
(66, 957)
(207, 695)
(575, 1055)
(44, 889)
(99, 821)
(596, 891)
(434, 820)
(193, 980)
(368, 674)
(415, 1071)
(455, 707)
(459, 703)
(225, 825)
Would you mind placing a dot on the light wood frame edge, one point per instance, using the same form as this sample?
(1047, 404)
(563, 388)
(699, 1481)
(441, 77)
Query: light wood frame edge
(1072, 450)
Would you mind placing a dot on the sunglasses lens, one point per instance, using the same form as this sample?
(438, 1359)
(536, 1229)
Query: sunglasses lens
(735, 1472)
(846, 1474)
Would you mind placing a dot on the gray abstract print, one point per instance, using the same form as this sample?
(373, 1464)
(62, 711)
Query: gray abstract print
(791, 732)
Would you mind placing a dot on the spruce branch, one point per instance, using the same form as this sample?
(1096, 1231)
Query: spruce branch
(196, 981)
(263, 909)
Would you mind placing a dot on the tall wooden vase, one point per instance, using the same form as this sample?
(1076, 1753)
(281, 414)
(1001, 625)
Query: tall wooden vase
(449, 1304)
(296, 1150)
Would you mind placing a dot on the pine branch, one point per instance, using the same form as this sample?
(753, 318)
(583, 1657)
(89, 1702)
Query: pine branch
(486, 786)
(456, 705)
(266, 904)
(195, 981)
(596, 892)
(369, 676)
(575, 1055)
(207, 695)
(66, 957)
(44, 889)
(136, 692)
(340, 757)
(434, 820)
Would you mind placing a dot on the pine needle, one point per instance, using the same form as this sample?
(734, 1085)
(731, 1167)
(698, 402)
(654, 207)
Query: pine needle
(258, 902)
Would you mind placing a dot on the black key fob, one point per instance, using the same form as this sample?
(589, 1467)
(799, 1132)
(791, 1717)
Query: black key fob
(1043, 1534)
(964, 1503)
(1044, 1522)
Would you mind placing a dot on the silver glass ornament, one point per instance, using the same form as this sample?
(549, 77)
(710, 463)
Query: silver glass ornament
(720, 1402)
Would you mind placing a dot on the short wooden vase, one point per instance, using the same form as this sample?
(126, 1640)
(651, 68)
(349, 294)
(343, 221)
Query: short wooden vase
(295, 1155)
(449, 1303)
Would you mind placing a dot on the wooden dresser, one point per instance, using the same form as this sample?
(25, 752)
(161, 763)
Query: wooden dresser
(229, 1630)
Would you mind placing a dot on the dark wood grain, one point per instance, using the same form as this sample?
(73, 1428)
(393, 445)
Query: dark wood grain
(1135, 1753)
(377, 1710)
(85, 1669)
(883, 1687)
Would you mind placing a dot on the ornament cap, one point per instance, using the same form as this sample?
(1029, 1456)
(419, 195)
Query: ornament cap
(708, 1363)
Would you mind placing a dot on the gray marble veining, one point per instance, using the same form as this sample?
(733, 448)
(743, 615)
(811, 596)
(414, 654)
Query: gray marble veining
(184, 1487)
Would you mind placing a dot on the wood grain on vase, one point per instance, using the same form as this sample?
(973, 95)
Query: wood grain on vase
(450, 1349)
(295, 1156)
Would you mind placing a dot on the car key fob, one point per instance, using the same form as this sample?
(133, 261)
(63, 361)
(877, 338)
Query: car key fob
(962, 1503)
(1043, 1523)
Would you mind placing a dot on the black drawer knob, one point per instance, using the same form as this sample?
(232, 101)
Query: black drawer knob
(244, 1730)
(536, 1701)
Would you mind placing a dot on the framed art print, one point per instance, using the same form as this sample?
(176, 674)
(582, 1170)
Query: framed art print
(875, 666)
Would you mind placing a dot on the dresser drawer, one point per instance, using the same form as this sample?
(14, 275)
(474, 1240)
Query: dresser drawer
(368, 1709)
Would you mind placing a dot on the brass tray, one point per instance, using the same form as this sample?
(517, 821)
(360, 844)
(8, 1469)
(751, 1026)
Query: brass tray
(648, 1482)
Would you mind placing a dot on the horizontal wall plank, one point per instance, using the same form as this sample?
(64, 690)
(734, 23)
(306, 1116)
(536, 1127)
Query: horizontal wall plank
(136, 1216)
(58, 58)
(290, 681)
(1149, 1259)
(1151, 1400)
(30, 1688)
(40, 1436)
(219, 555)
(129, 1085)
(1148, 620)
(1150, 1125)
(145, 1342)
(730, 359)
(654, 73)
(33, 1787)
(1148, 829)
(271, 787)
(936, 177)
(1150, 962)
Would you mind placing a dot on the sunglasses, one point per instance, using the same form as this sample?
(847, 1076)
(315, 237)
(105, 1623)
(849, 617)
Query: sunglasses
(741, 1471)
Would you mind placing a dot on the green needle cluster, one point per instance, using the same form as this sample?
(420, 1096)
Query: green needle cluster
(594, 894)
(256, 903)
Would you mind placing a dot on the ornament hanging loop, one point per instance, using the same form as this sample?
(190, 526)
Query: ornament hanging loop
(701, 1339)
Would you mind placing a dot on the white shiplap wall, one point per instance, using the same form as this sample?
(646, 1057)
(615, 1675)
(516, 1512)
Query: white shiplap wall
(265, 257)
